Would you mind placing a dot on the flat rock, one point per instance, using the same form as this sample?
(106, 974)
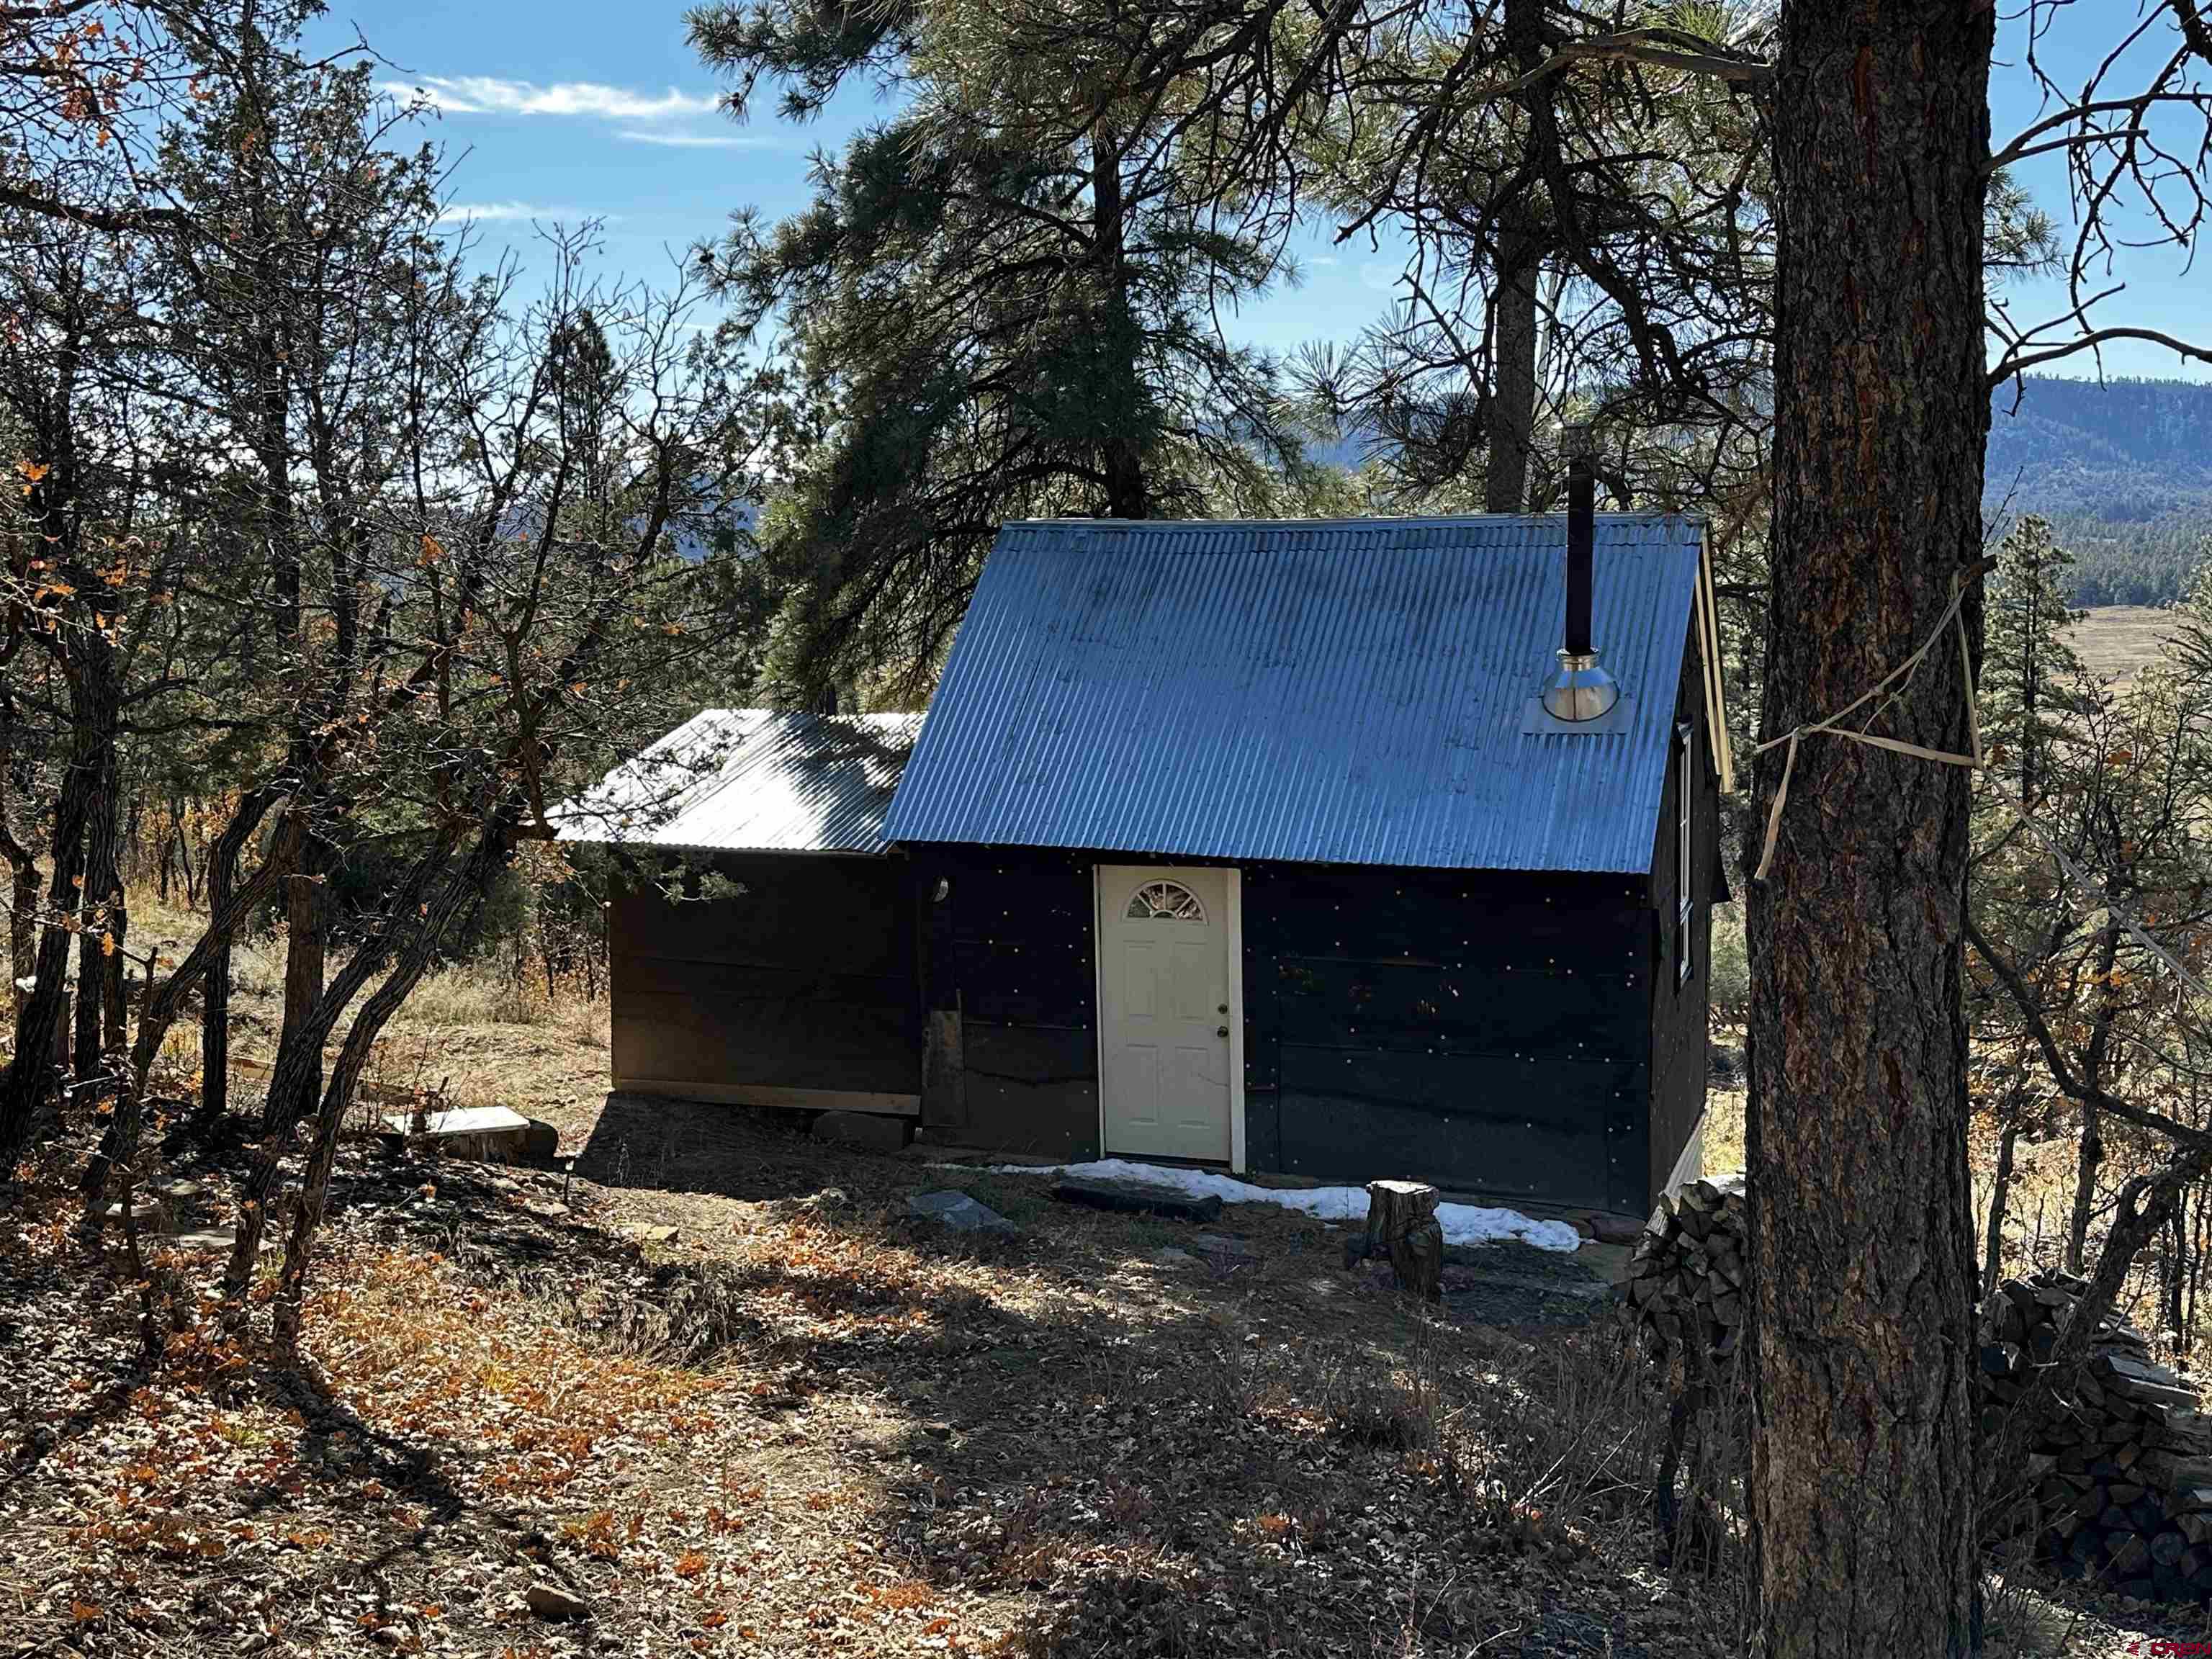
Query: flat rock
(1168, 1256)
(647, 1232)
(877, 1131)
(217, 1238)
(958, 1211)
(1137, 1198)
(554, 1602)
(1615, 1229)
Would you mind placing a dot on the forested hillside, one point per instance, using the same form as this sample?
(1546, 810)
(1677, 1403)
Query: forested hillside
(2122, 469)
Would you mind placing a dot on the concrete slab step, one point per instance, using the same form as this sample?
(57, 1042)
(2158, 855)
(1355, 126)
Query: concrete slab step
(491, 1134)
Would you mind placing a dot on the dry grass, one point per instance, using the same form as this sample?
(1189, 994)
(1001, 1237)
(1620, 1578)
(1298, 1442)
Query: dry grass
(2116, 643)
(1724, 1122)
(478, 1032)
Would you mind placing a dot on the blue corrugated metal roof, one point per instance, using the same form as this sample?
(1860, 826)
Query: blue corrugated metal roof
(1348, 691)
(753, 780)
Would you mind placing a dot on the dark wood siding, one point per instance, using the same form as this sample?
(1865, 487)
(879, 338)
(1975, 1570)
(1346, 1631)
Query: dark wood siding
(1679, 1002)
(803, 982)
(1011, 995)
(1482, 1030)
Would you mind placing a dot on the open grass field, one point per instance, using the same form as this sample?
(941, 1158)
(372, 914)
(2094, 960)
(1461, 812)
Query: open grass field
(2118, 641)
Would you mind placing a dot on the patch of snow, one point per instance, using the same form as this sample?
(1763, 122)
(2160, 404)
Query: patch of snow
(1464, 1223)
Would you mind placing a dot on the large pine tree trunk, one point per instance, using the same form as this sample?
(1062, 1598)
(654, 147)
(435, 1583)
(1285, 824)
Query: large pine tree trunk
(1122, 458)
(1512, 416)
(1511, 430)
(1863, 1471)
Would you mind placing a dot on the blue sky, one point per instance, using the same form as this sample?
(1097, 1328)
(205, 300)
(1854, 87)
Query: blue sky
(560, 110)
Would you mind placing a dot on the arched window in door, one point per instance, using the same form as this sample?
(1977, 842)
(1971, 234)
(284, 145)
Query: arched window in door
(1164, 900)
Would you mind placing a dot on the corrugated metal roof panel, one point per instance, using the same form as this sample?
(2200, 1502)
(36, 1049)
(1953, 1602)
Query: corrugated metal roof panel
(753, 780)
(1348, 691)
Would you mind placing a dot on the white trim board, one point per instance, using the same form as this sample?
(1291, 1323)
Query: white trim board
(1237, 1020)
(1098, 996)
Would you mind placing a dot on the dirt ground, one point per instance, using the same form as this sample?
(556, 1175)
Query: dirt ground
(807, 1421)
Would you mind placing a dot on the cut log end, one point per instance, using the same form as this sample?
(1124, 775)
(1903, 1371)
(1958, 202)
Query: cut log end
(1401, 1222)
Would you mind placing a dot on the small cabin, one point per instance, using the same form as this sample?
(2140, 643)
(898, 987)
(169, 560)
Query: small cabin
(1336, 849)
(762, 952)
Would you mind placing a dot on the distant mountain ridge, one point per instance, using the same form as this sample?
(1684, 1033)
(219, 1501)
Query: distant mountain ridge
(2122, 468)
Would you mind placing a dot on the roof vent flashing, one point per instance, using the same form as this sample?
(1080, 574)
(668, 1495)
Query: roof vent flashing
(1582, 692)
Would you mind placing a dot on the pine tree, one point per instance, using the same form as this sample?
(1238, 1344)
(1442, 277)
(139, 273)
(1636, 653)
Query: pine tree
(2030, 677)
(990, 314)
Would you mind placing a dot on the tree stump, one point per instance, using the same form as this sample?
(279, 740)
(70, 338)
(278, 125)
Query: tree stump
(1401, 1222)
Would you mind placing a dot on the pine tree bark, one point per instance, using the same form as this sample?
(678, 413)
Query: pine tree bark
(1862, 1489)
(1122, 461)
(1511, 430)
(1512, 427)
(1402, 1224)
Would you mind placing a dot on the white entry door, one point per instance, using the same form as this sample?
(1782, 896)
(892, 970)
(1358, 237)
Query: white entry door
(1165, 1011)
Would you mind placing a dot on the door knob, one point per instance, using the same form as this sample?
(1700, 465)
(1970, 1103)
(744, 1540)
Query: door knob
(1221, 1030)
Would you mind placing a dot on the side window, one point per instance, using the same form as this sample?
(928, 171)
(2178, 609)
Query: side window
(1685, 893)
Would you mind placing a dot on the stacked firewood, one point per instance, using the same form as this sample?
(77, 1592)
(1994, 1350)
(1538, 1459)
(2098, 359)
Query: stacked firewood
(2116, 1476)
(2121, 1465)
(1687, 1277)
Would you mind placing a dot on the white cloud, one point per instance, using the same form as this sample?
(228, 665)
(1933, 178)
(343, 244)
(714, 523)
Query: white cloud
(695, 140)
(490, 94)
(485, 212)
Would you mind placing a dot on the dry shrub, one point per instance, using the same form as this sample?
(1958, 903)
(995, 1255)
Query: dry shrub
(2019, 1621)
(1239, 1380)
(1549, 1447)
(688, 1315)
(478, 994)
(1567, 1430)
(1369, 1401)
